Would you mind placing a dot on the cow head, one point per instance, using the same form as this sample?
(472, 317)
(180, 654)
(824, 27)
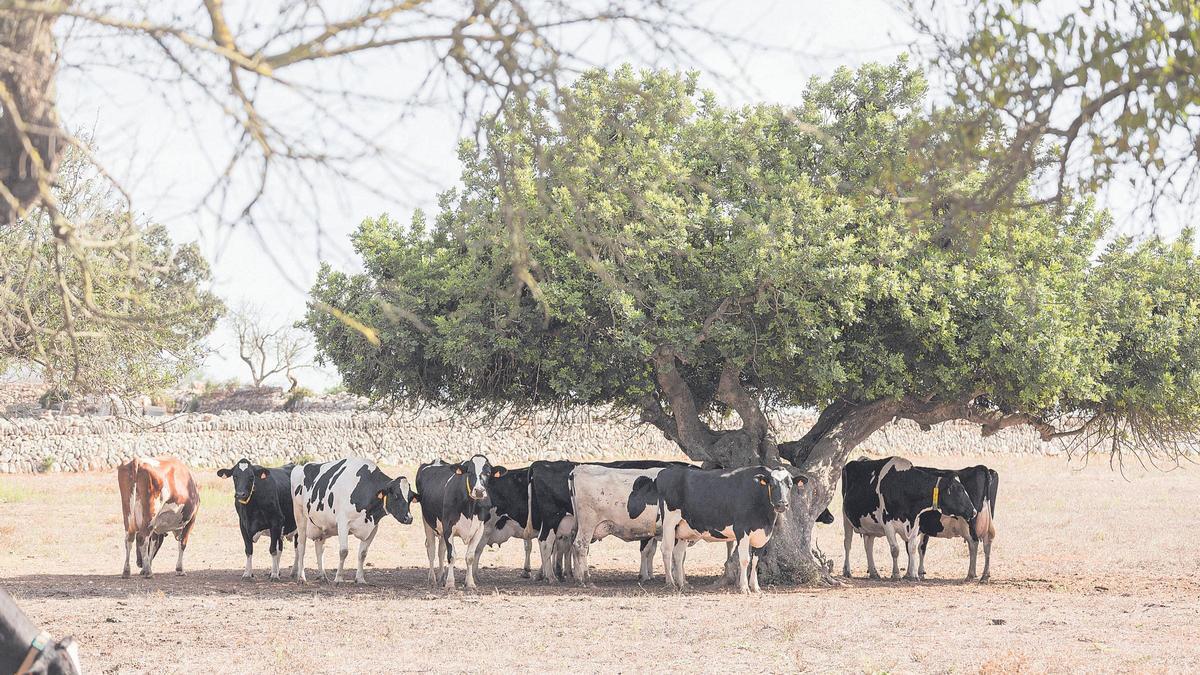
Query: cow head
(951, 498)
(778, 484)
(245, 476)
(396, 497)
(478, 471)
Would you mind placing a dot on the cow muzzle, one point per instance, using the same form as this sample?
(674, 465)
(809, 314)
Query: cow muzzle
(780, 507)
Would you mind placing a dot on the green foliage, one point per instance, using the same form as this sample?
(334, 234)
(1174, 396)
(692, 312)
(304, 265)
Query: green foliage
(303, 458)
(781, 241)
(48, 464)
(126, 317)
(1084, 87)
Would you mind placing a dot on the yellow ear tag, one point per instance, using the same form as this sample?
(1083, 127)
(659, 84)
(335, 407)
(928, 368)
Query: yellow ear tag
(385, 502)
(935, 497)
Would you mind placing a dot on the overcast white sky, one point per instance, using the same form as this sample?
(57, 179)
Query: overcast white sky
(158, 146)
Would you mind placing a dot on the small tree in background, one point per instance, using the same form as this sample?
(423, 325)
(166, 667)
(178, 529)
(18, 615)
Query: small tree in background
(268, 348)
(694, 265)
(124, 320)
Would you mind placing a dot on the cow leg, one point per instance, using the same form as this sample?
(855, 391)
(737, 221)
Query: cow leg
(889, 531)
(319, 552)
(471, 559)
(987, 560)
(301, 544)
(248, 546)
(276, 551)
(527, 569)
(546, 549)
(743, 550)
(847, 540)
(343, 549)
(921, 549)
(727, 570)
(183, 537)
(153, 543)
(911, 545)
(668, 549)
(449, 581)
(362, 555)
(677, 559)
(754, 588)
(649, 546)
(431, 552)
(129, 537)
(973, 548)
(869, 547)
(583, 540)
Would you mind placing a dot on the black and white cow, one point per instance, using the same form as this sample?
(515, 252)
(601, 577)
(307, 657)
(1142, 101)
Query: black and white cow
(601, 498)
(349, 496)
(262, 498)
(736, 506)
(886, 498)
(553, 518)
(24, 648)
(455, 502)
(509, 515)
(981, 484)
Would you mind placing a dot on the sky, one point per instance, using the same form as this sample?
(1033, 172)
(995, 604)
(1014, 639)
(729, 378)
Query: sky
(157, 141)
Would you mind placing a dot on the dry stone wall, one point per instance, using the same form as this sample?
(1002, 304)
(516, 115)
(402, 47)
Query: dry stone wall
(81, 443)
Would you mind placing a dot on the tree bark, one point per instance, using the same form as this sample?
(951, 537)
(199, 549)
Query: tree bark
(826, 448)
(31, 147)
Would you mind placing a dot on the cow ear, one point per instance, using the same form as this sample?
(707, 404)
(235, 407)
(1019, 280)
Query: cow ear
(762, 479)
(379, 495)
(262, 474)
(413, 496)
(498, 471)
(458, 470)
(224, 473)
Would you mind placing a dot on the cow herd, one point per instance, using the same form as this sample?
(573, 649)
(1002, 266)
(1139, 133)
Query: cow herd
(562, 506)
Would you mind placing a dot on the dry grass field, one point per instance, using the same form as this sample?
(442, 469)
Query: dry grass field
(1091, 572)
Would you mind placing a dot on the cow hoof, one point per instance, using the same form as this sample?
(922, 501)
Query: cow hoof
(846, 574)
(985, 578)
(743, 590)
(247, 577)
(180, 573)
(275, 577)
(875, 577)
(525, 574)
(125, 574)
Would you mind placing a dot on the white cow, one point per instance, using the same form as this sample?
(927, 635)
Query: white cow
(349, 496)
(601, 498)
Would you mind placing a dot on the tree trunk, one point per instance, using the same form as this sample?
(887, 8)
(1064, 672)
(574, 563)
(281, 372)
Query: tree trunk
(30, 143)
(820, 455)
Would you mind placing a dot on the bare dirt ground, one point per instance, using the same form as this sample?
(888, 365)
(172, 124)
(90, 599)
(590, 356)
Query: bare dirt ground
(1091, 572)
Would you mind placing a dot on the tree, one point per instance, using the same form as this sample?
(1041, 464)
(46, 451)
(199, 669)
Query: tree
(1078, 93)
(696, 265)
(278, 92)
(268, 349)
(133, 323)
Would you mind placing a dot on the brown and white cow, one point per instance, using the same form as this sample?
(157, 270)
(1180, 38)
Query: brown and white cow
(158, 497)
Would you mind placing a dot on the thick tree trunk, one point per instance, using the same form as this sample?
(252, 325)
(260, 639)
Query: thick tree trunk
(820, 455)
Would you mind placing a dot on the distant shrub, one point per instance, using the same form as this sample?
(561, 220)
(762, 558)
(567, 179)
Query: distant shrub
(296, 397)
(53, 397)
(304, 458)
(48, 464)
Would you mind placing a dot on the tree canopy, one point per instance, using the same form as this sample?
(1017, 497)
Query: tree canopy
(683, 260)
(126, 319)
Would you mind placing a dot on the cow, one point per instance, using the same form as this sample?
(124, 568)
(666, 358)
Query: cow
(509, 515)
(262, 498)
(158, 497)
(981, 484)
(553, 519)
(601, 498)
(738, 506)
(887, 497)
(455, 502)
(349, 496)
(26, 649)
